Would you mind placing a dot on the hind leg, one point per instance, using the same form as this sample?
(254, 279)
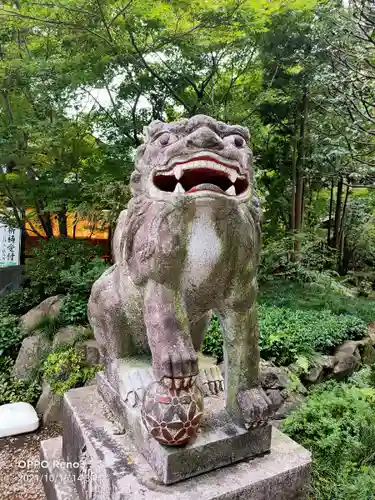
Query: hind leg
(117, 324)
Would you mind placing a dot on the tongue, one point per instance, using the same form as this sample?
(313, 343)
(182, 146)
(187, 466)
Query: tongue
(205, 187)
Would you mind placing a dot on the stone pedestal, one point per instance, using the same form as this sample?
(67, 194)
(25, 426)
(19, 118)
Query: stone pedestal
(96, 460)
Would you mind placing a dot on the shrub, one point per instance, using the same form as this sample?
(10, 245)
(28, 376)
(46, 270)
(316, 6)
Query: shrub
(10, 335)
(213, 340)
(20, 301)
(337, 423)
(45, 268)
(78, 278)
(74, 310)
(316, 296)
(65, 369)
(13, 390)
(287, 334)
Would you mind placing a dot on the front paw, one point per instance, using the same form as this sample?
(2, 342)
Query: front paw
(255, 407)
(176, 367)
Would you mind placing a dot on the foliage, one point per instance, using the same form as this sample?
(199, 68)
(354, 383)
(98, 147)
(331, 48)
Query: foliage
(65, 369)
(18, 302)
(316, 296)
(46, 268)
(13, 390)
(337, 423)
(10, 335)
(74, 310)
(293, 335)
(79, 277)
(285, 334)
(213, 340)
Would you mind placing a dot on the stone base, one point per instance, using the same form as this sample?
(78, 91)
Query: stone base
(95, 461)
(220, 441)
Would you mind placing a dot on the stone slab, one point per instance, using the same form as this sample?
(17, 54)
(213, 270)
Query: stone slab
(119, 472)
(58, 481)
(220, 441)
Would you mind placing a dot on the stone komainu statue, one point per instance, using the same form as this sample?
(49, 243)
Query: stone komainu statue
(188, 244)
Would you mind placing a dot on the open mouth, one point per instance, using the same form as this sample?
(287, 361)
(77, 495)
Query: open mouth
(202, 174)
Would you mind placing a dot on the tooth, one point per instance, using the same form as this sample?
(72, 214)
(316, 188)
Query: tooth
(178, 171)
(179, 189)
(231, 191)
(177, 383)
(233, 176)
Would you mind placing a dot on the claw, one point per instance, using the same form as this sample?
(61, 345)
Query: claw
(168, 382)
(187, 382)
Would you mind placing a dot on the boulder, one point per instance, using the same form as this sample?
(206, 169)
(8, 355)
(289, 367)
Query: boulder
(273, 377)
(50, 307)
(276, 399)
(290, 404)
(321, 367)
(347, 359)
(49, 405)
(368, 354)
(29, 356)
(91, 350)
(68, 335)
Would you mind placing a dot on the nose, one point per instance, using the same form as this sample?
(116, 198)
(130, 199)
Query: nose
(204, 138)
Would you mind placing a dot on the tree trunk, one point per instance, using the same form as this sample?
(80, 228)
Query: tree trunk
(294, 177)
(336, 230)
(300, 166)
(330, 215)
(63, 225)
(341, 237)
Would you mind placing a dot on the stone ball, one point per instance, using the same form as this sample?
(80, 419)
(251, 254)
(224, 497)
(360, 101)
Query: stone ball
(172, 416)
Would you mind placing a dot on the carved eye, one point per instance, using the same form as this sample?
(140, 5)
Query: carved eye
(239, 142)
(165, 139)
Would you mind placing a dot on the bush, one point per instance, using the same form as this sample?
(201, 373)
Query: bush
(13, 390)
(10, 335)
(66, 369)
(337, 423)
(287, 334)
(18, 302)
(74, 310)
(52, 258)
(213, 340)
(316, 296)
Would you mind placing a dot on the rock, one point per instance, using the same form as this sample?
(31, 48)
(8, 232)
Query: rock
(273, 377)
(322, 366)
(276, 398)
(91, 350)
(29, 356)
(347, 359)
(368, 354)
(290, 404)
(17, 418)
(68, 335)
(49, 307)
(49, 405)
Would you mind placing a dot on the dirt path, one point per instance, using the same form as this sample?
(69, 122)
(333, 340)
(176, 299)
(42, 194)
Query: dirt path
(19, 465)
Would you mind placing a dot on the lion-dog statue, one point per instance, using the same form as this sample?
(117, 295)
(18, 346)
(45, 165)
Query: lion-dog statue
(187, 245)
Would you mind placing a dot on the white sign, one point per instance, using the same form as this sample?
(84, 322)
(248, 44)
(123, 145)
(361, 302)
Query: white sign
(10, 246)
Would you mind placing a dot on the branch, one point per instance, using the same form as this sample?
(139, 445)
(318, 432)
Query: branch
(154, 74)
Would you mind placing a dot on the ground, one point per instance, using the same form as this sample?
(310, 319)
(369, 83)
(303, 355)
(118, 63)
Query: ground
(20, 480)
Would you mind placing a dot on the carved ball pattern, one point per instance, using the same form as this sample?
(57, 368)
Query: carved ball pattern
(172, 416)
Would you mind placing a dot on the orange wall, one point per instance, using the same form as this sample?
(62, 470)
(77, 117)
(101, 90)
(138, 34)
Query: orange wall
(83, 227)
